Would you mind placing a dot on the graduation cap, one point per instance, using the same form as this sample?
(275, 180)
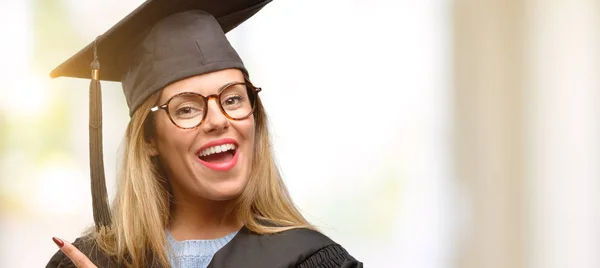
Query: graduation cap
(160, 42)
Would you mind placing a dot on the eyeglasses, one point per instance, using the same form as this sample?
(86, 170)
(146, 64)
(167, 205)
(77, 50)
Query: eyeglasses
(188, 109)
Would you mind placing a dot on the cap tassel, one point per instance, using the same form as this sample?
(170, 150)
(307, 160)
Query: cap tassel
(100, 203)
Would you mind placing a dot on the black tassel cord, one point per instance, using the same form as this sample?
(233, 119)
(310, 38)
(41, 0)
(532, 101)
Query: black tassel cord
(102, 217)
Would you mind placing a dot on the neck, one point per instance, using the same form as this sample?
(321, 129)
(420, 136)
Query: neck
(202, 219)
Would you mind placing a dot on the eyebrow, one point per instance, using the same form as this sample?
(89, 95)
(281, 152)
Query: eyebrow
(220, 89)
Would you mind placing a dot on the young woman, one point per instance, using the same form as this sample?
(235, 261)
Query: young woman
(198, 187)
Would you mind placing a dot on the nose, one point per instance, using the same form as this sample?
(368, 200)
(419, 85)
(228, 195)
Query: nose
(215, 121)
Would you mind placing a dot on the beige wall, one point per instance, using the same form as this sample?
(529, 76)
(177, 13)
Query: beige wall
(563, 132)
(527, 132)
(488, 130)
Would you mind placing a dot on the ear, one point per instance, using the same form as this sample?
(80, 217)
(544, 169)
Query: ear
(152, 148)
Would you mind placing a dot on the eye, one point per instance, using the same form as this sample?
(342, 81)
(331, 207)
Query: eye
(187, 111)
(232, 101)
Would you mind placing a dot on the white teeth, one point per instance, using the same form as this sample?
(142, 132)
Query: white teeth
(217, 149)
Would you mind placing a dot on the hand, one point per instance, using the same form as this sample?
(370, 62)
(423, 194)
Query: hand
(78, 258)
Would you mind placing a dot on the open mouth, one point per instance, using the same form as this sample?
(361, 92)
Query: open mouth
(218, 154)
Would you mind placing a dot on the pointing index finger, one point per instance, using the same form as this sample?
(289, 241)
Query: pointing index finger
(76, 256)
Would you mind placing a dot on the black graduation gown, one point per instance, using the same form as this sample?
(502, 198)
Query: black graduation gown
(301, 248)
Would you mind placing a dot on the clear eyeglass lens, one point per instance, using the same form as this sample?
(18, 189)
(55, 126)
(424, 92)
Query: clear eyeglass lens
(187, 110)
(235, 101)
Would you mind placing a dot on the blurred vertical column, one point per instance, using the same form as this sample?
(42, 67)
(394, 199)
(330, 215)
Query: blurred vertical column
(488, 90)
(563, 126)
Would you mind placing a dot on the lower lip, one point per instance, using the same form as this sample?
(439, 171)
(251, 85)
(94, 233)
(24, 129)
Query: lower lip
(223, 166)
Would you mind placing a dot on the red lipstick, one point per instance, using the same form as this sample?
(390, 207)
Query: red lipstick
(220, 166)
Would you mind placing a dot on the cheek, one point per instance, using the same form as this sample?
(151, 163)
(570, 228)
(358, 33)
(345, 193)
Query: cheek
(250, 132)
(161, 130)
(168, 137)
(246, 131)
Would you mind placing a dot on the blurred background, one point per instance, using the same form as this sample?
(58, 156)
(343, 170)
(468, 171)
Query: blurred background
(416, 133)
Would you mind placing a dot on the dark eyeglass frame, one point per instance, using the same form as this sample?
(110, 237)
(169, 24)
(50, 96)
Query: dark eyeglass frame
(252, 92)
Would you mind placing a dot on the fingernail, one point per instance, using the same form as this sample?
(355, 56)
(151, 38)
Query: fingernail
(58, 242)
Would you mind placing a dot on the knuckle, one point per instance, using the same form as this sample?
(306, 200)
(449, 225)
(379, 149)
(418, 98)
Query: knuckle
(76, 256)
(69, 251)
(81, 260)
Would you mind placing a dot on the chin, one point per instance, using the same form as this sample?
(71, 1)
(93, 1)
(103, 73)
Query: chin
(225, 191)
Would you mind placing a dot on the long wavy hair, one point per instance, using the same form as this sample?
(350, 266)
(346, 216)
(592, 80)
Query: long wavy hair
(141, 209)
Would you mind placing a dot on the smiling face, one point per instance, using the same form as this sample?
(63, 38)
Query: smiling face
(212, 161)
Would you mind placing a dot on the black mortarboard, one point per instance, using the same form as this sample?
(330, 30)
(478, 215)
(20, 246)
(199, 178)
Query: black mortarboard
(160, 42)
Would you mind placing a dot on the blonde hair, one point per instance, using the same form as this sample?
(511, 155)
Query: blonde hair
(141, 209)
